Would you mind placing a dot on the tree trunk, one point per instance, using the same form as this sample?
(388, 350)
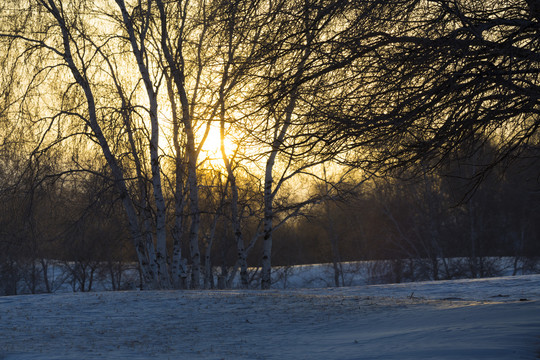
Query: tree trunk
(195, 219)
(266, 272)
(145, 262)
(45, 269)
(208, 272)
(178, 76)
(336, 261)
(178, 269)
(331, 232)
(161, 230)
(236, 221)
(281, 130)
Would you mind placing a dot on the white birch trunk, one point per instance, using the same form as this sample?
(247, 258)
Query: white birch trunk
(239, 239)
(145, 213)
(269, 193)
(195, 222)
(208, 273)
(149, 276)
(161, 231)
(178, 268)
(266, 264)
(235, 217)
(177, 72)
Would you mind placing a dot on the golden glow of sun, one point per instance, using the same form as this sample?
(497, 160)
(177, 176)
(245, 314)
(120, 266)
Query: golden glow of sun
(211, 149)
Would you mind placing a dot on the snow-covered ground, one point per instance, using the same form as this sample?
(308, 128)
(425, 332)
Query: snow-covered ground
(496, 318)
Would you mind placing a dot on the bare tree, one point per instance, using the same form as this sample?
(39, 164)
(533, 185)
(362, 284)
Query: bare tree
(452, 74)
(308, 64)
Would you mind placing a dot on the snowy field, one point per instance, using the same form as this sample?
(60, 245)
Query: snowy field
(497, 318)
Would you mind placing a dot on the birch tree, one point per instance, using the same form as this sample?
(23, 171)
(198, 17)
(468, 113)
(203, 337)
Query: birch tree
(240, 34)
(62, 39)
(311, 61)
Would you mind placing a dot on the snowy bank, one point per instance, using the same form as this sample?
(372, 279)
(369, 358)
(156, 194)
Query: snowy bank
(497, 318)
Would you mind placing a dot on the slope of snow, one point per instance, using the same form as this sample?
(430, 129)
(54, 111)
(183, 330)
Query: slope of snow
(496, 318)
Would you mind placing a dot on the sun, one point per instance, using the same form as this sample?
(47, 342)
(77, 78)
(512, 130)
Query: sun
(211, 149)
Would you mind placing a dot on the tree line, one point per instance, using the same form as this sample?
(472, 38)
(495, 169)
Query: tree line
(424, 227)
(106, 108)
